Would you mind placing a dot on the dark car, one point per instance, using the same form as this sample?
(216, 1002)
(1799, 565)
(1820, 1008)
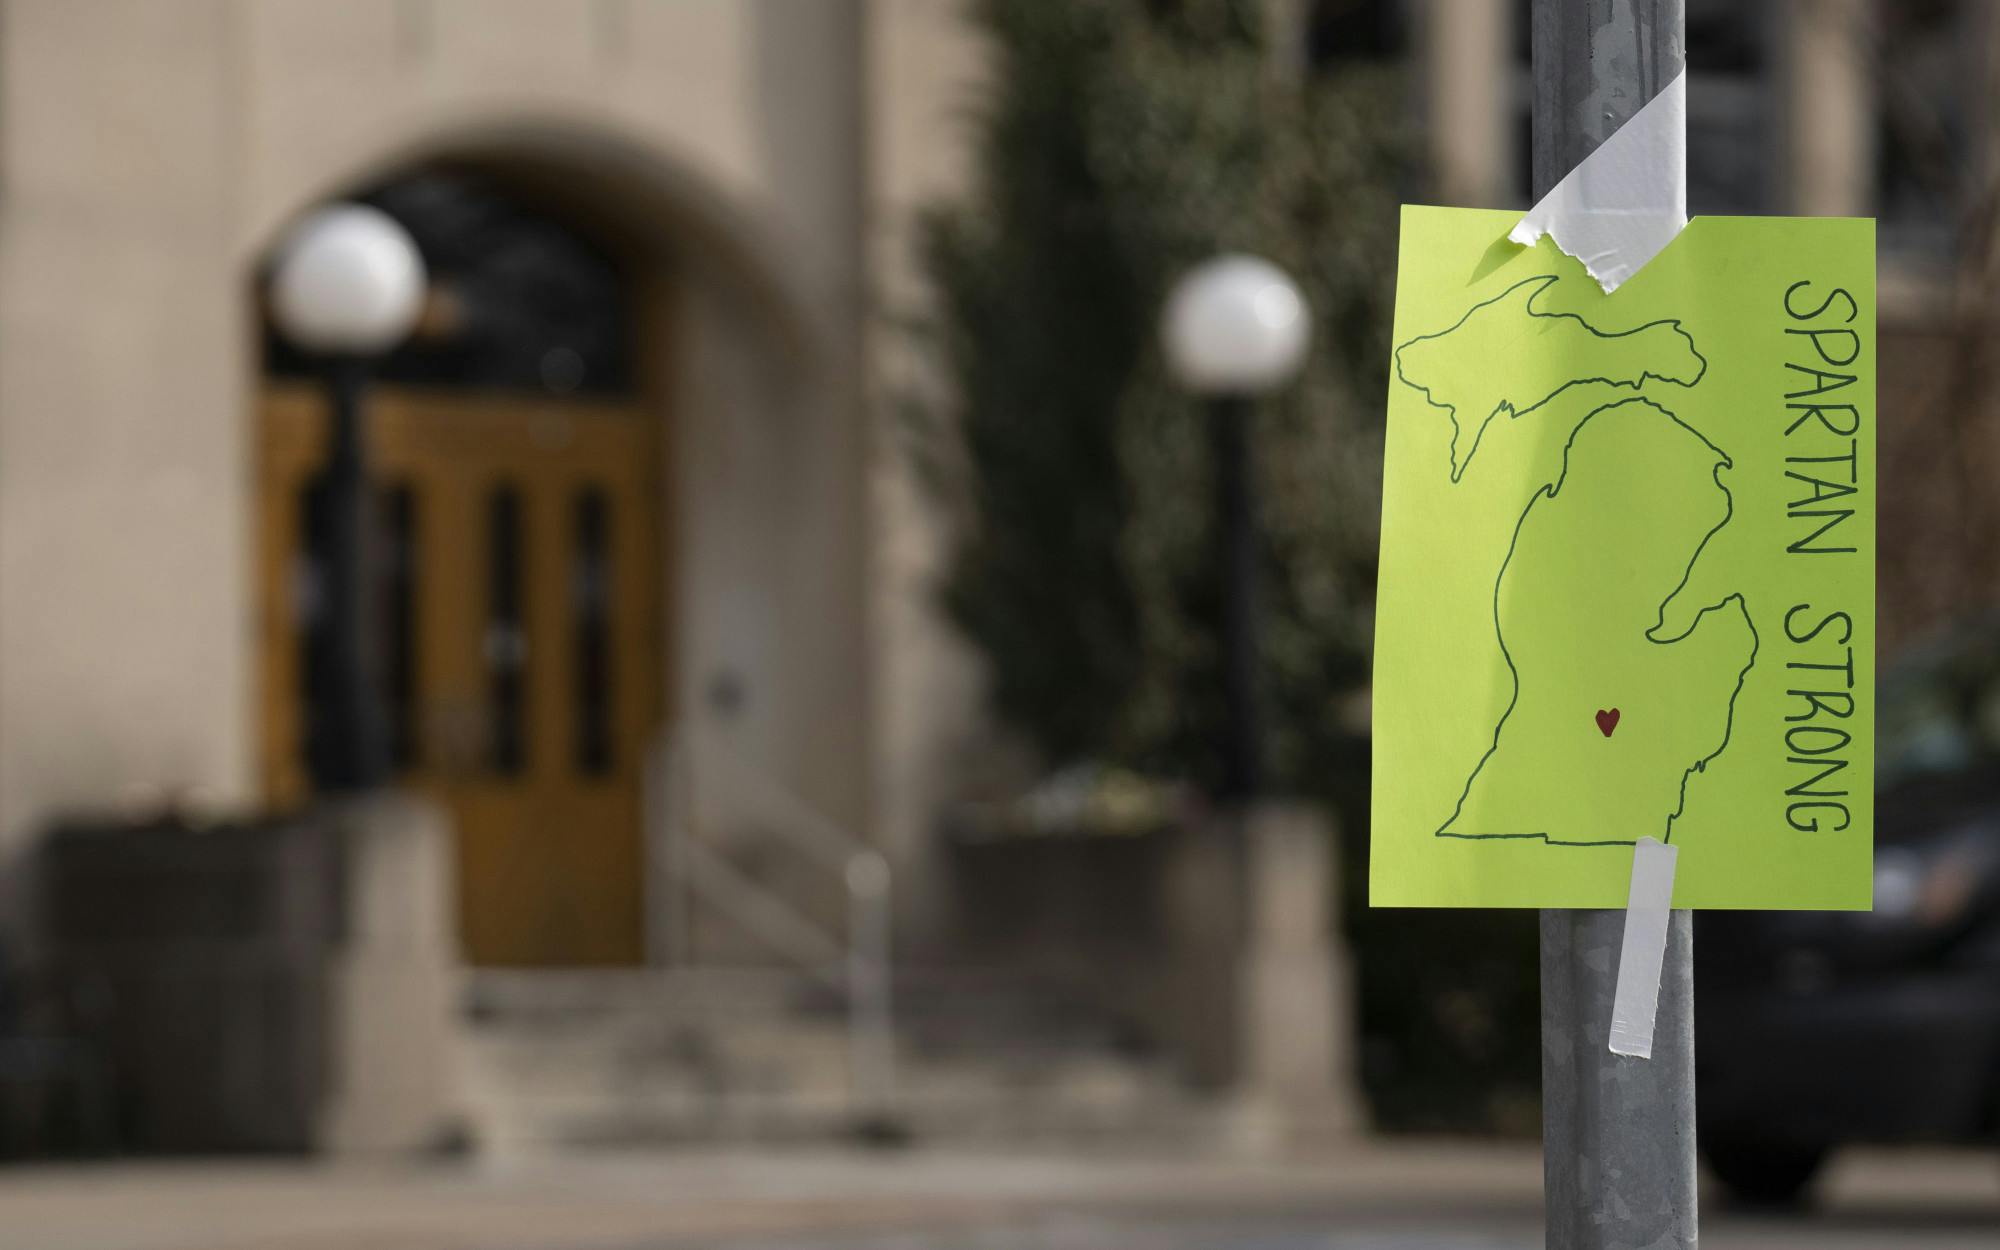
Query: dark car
(1820, 1029)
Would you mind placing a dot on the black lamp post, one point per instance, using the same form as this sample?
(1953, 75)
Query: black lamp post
(1236, 328)
(347, 286)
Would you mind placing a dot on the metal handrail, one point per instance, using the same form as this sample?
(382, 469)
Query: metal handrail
(857, 961)
(762, 913)
(809, 831)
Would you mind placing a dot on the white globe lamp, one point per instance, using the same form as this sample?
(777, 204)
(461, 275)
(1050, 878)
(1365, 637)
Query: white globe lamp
(1235, 325)
(348, 282)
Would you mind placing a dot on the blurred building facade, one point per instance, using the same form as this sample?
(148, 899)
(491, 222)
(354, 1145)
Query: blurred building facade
(747, 168)
(642, 498)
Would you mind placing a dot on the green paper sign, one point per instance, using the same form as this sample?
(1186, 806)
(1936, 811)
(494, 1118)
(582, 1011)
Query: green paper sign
(1628, 569)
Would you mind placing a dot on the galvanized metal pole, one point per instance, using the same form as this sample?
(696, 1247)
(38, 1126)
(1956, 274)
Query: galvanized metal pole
(1618, 1133)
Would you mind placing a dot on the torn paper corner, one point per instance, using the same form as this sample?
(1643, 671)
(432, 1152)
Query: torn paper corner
(1627, 200)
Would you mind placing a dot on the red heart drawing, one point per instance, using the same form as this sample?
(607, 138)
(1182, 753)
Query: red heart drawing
(1607, 721)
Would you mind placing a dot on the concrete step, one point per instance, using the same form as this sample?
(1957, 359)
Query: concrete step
(573, 1103)
(524, 997)
(963, 1104)
(592, 1067)
(624, 1058)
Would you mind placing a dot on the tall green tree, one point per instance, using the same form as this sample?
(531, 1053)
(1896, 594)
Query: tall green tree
(1120, 143)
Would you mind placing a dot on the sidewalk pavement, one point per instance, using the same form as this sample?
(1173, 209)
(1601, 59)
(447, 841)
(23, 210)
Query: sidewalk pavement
(1405, 1195)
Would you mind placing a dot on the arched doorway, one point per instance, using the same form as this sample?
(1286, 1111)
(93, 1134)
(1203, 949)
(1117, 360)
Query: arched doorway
(516, 444)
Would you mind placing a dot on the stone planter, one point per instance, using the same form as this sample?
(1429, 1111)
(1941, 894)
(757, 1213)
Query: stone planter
(277, 985)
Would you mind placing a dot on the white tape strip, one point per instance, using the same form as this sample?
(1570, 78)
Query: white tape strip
(1637, 999)
(1628, 199)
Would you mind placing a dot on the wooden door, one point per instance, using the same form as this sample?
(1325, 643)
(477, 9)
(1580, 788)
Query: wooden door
(520, 583)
